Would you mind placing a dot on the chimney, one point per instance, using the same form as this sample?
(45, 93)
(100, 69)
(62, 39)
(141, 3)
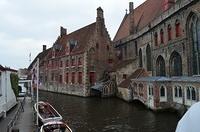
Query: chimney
(130, 7)
(100, 21)
(100, 13)
(44, 47)
(63, 31)
(131, 18)
(168, 4)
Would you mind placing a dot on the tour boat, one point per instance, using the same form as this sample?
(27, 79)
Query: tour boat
(46, 113)
(55, 126)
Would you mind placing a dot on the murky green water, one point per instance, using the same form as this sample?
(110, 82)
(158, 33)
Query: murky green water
(109, 115)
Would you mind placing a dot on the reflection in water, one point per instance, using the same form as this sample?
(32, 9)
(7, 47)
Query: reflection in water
(109, 115)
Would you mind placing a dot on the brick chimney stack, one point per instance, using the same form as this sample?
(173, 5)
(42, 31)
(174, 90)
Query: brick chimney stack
(100, 21)
(44, 47)
(63, 31)
(130, 7)
(131, 17)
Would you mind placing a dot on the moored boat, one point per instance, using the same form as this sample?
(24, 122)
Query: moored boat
(55, 126)
(46, 113)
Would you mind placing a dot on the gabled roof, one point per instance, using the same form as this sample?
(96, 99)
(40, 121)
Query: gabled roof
(7, 69)
(137, 74)
(143, 15)
(41, 55)
(81, 36)
(2, 68)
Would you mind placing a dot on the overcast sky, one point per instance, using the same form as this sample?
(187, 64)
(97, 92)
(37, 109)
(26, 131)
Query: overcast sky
(26, 25)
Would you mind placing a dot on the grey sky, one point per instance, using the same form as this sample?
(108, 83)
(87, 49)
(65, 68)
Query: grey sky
(26, 25)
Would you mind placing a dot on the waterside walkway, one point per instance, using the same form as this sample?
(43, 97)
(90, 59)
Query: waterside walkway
(25, 122)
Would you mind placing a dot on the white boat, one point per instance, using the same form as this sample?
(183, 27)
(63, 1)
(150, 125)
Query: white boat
(55, 126)
(46, 113)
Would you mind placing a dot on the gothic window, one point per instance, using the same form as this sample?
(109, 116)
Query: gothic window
(193, 94)
(175, 64)
(188, 93)
(161, 36)
(148, 54)
(194, 32)
(162, 91)
(178, 29)
(169, 30)
(180, 92)
(160, 66)
(176, 92)
(156, 39)
(140, 58)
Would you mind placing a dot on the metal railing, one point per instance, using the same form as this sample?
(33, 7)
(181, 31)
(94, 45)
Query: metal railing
(20, 108)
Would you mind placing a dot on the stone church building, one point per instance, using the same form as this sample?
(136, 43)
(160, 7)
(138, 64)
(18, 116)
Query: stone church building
(158, 47)
(77, 60)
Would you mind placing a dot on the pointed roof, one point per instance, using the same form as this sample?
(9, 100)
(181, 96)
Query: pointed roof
(141, 72)
(81, 36)
(143, 15)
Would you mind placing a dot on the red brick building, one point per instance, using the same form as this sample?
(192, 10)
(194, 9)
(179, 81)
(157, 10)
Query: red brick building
(76, 61)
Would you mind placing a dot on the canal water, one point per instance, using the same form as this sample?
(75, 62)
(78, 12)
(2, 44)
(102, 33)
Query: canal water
(109, 115)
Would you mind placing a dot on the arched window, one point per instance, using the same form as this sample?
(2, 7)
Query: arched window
(160, 66)
(141, 89)
(188, 93)
(180, 92)
(193, 24)
(169, 30)
(156, 38)
(178, 28)
(140, 58)
(175, 64)
(162, 91)
(176, 92)
(161, 36)
(148, 54)
(193, 94)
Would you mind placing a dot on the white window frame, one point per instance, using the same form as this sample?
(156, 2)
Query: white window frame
(178, 99)
(163, 98)
(190, 102)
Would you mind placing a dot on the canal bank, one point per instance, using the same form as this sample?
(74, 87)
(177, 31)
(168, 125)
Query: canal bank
(96, 114)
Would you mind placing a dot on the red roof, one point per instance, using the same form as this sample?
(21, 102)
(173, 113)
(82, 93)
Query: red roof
(143, 15)
(137, 74)
(81, 36)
